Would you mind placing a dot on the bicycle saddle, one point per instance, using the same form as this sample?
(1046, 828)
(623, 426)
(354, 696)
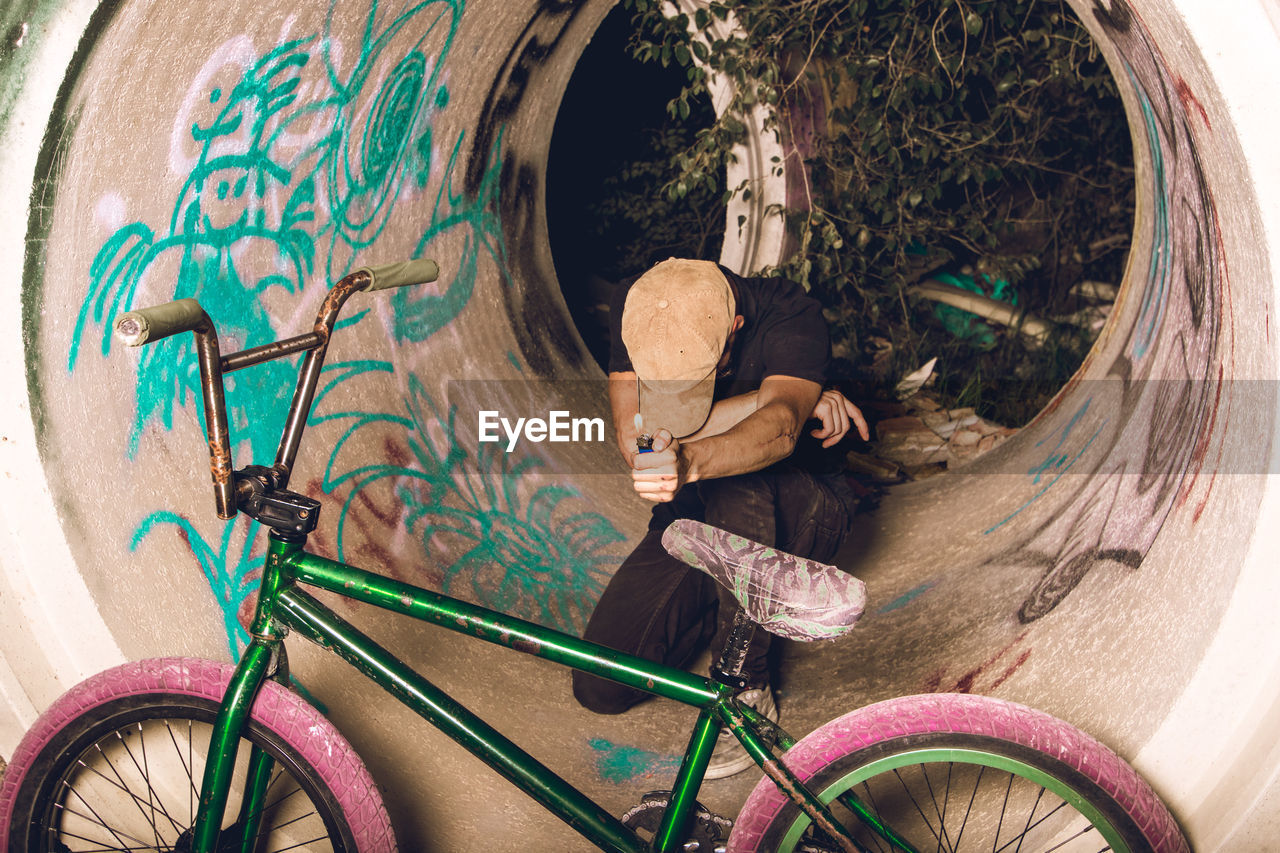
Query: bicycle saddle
(786, 595)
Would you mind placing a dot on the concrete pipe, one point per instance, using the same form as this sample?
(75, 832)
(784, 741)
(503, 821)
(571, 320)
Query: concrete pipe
(1110, 564)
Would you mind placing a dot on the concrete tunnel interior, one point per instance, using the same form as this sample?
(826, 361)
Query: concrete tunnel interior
(1115, 569)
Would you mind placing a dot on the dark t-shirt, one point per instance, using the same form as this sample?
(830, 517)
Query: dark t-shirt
(783, 334)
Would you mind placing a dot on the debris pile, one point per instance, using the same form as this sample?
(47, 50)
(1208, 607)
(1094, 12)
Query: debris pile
(917, 438)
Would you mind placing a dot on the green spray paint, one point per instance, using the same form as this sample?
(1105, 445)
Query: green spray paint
(618, 764)
(316, 211)
(514, 547)
(23, 24)
(231, 568)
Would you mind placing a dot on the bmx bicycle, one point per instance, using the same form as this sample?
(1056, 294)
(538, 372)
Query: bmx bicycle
(195, 756)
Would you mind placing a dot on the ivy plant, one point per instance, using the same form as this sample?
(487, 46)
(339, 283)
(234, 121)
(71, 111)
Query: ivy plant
(984, 135)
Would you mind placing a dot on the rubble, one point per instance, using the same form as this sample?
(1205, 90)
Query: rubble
(919, 439)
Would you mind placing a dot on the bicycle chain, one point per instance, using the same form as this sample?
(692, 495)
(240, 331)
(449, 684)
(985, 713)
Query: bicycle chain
(709, 831)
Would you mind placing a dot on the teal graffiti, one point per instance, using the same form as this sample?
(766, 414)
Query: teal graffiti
(1156, 294)
(311, 208)
(511, 545)
(619, 764)
(231, 568)
(420, 315)
(1059, 460)
(906, 598)
(301, 163)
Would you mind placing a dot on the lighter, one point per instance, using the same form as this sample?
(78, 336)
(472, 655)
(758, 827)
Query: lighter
(644, 441)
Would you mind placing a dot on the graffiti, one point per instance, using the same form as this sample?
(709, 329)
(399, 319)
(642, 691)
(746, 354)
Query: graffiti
(535, 44)
(232, 569)
(420, 315)
(294, 161)
(984, 678)
(617, 764)
(906, 598)
(1060, 459)
(540, 326)
(285, 190)
(505, 542)
(1162, 393)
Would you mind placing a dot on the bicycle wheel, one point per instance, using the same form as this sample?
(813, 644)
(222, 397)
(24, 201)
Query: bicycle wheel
(116, 763)
(956, 773)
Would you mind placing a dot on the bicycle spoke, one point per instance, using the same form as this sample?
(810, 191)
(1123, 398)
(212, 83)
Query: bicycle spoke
(98, 821)
(969, 809)
(1079, 834)
(944, 842)
(97, 818)
(919, 811)
(142, 743)
(1030, 815)
(946, 802)
(922, 796)
(146, 778)
(1052, 812)
(268, 807)
(1004, 808)
(188, 765)
(118, 782)
(299, 844)
(875, 809)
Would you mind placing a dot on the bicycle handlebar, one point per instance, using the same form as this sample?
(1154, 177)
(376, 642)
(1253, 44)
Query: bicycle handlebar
(386, 276)
(144, 325)
(147, 325)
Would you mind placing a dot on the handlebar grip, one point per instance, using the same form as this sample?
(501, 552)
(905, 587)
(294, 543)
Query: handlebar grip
(403, 273)
(145, 325)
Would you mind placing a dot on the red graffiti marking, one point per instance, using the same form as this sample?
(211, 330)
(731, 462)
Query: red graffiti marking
(1189, 100)
(968, 683)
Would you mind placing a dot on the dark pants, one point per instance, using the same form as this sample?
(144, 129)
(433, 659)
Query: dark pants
(660, 609)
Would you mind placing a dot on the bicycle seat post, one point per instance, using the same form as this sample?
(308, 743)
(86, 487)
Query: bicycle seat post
(728, 670)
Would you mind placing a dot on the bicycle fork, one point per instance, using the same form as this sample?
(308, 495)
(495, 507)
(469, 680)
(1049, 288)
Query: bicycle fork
(263, 659)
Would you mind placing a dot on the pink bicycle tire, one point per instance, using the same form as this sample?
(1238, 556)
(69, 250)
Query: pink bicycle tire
(901, 724)
(289, 718)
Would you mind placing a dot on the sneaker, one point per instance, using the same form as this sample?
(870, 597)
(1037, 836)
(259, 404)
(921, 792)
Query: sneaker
(730, 757)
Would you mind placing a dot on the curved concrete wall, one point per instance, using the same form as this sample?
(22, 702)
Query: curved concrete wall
(1109, 564)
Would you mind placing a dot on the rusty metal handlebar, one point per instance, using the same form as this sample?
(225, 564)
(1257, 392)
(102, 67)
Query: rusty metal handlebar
(147, 325)
(386, 276)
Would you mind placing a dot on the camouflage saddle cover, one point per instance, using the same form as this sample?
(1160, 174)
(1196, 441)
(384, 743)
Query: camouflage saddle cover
(790, 596)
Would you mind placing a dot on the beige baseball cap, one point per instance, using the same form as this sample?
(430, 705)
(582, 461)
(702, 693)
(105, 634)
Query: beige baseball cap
(675, 323)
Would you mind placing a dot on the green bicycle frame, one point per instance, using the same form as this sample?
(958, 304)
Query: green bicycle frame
(284, 606)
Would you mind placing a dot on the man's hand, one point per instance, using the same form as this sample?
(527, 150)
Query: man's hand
(656, 476)
(835, 411)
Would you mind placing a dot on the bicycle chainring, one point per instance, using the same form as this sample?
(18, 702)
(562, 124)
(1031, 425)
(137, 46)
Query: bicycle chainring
(709, 831)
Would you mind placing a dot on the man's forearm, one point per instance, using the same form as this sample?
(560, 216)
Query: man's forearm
(765, 436)
(726, 414)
